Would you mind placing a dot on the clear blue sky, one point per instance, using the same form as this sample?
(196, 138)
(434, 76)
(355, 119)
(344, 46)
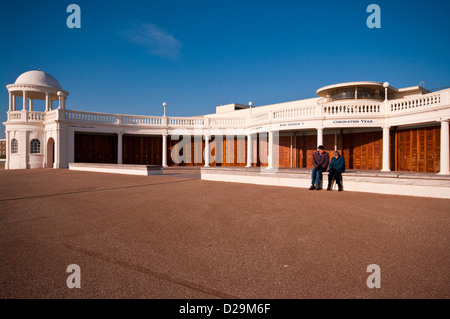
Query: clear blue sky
(131, 56)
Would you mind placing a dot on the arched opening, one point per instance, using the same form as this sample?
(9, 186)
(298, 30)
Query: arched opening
(50, 152)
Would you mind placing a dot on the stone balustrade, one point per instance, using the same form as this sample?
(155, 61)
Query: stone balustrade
(415, 103)
(290, 112)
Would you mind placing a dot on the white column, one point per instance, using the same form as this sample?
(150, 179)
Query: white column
(335, 140)
(63, 147)
(207, 151)
(10, 102)
(63, 102)
(8, 150)
(445, 170)
(119, 148)
(24, 149)
(249, 150)
(44, 148)
(30, 103)
(386, 152)
(270, 156)
(164, 150)
(47, 102)
(57, 149)
(70, 145)
(319, 136)
(24, 101)
(291, 160)
(14, 103)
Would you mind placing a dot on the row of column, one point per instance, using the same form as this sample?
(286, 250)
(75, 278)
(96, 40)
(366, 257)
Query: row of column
(28, 103)
(445, 148)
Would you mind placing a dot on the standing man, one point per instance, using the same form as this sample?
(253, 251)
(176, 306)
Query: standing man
(321, 159)
(337, 167)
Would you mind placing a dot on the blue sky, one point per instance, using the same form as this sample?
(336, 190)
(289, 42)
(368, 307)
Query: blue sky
(130, 56)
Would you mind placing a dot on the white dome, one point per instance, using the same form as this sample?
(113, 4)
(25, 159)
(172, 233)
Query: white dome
(38, 78)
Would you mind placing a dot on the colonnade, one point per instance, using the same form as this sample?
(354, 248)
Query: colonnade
(27, 102)
(59, 140)
(444, 148)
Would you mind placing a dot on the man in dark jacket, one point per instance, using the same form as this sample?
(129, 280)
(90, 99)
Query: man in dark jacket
(337, 167)
(320, 162)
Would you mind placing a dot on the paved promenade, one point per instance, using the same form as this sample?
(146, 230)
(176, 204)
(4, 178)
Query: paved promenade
(176, 236)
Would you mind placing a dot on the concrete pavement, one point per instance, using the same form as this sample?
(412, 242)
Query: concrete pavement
(176, 236)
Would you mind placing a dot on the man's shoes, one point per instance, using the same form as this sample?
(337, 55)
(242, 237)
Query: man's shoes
(318, 188)
(340, 188)
(329, 188)
(312, 187)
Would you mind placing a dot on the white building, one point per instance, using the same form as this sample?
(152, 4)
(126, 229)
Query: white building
(374, 125)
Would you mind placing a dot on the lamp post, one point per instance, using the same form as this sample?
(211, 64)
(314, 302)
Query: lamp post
(385, 85)
(250, 104)
(164, 104)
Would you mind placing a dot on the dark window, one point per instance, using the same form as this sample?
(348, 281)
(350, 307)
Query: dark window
(14, 146)
(35, 146)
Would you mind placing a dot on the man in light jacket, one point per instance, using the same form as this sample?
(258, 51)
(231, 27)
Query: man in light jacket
(337, 167)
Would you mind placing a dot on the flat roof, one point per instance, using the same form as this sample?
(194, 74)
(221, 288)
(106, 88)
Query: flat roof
(368, 84)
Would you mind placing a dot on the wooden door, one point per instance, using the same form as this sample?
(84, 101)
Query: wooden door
(95, 148)
(418, 149)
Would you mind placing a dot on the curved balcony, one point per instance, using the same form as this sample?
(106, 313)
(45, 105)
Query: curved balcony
(345, 108)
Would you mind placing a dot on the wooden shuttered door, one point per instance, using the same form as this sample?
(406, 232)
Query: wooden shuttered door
(260, 149)
(363, 150)
(360, 150)
(142, 150)
(224, 152)
(417, 149)
(303, 148)
(217, 148)
(95, 148)
(234, 151)
(263, 149)
(187, 152)
(283, 150)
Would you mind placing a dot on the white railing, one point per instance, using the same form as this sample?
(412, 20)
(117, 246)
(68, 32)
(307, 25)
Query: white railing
(14, 116)
(227, 121)
(141, 120)
(36, 116)
(295, 113)
(348, 109)
(263, 117)
(185, 121)
(27, 116)
(415, 103)
(290, 112)
(90, 117)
